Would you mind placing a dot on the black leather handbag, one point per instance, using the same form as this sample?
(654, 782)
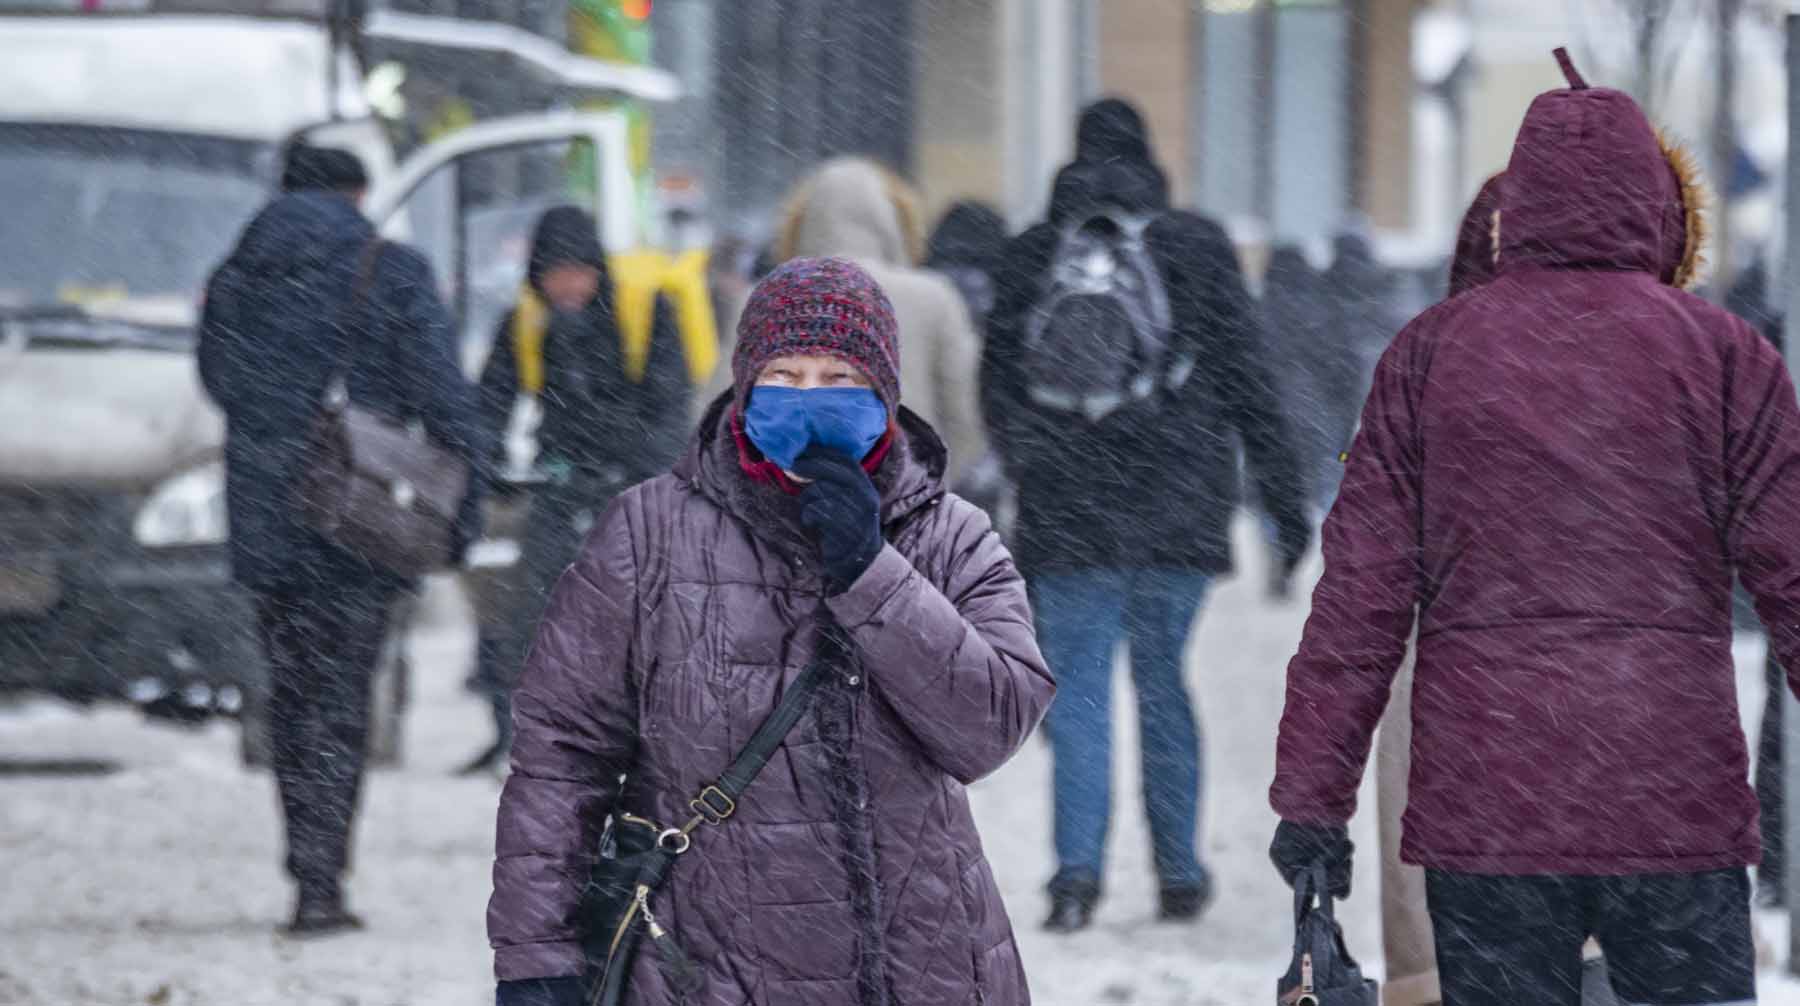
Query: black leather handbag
(374, 486)
(1322, 972)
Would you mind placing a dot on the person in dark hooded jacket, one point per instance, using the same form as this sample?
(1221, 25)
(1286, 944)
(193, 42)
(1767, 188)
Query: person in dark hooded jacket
(308, 297)
(1317, 367)
(807, 527)
(603, 428)
(1123, 521)
(966, 246)
(1556, 476)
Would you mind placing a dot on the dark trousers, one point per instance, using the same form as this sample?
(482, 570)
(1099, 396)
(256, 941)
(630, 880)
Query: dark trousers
(1670, 939)
(560, 517)
(322, 645)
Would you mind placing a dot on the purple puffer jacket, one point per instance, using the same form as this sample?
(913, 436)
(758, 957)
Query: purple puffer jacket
(852, 871)
(1559, 472)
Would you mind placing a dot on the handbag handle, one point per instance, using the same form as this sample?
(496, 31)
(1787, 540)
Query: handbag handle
(1312, 892)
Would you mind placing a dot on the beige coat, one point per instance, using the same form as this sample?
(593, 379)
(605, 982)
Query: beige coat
(854, 209)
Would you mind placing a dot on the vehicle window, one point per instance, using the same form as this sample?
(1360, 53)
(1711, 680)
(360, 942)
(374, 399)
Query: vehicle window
(118, 213)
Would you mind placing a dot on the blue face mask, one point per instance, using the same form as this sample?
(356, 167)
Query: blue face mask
(784, 422)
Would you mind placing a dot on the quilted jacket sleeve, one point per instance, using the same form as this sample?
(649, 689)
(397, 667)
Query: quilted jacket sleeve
(958, 663)
(575, 723)
(1363, 608)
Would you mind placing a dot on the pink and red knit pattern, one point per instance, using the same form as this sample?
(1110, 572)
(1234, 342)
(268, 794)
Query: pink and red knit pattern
(822, 307)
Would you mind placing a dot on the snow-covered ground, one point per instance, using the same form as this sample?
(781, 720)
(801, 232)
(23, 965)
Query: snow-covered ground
(160, 884)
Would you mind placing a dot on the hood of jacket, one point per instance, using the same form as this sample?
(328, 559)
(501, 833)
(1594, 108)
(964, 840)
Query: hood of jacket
(565, 235)
(852, 208)
(1113, 166)
(969, 234)
(301, 229)
(1477, 259)
(1591, 185)
(1112, 129)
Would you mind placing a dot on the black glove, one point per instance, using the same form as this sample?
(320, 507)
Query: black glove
(1299, 847)
(539, 992)
(843, 507)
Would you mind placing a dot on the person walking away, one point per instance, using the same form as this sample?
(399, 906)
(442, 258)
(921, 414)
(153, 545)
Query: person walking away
(604, 427)
(311, 298)
(965, 247)
(1123, 362)
(806, 531)
(1556, 477)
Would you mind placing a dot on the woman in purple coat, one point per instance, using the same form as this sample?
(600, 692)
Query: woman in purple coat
(807, 521)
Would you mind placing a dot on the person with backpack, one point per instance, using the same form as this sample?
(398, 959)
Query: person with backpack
(612, 416)
(800, 593)
(309, 304)
(1123, 366)
(1556, 478)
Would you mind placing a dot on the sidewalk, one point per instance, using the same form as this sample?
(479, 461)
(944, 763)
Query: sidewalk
(160, 884)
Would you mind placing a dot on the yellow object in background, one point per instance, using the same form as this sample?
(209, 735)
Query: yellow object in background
(638, 277)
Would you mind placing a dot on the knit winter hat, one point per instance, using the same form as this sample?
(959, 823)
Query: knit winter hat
(819, 307)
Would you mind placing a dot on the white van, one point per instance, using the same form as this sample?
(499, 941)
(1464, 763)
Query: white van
(133, 149)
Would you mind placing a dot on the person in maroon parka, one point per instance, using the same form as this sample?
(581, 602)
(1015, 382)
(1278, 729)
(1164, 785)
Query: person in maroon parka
(1555, 479)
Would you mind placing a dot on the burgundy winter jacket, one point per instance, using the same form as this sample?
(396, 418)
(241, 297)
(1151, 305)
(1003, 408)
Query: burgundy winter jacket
(852, 871)
(1558, 473)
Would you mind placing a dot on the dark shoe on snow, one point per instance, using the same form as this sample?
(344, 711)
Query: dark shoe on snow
(1185, 902)
(1072, 901)
(320, 911)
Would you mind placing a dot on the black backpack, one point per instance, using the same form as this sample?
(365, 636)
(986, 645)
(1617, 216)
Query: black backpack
(1098, 337)
(1322, 972)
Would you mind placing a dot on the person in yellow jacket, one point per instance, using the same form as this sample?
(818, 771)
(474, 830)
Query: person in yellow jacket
(612, 371)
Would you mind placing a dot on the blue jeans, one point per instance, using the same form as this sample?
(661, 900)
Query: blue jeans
(1081, 618)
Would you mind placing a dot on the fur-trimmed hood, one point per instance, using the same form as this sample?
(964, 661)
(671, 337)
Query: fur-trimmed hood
(1593, 185)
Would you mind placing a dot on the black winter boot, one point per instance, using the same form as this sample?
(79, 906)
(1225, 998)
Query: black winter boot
(319, 911)
(1072, 901)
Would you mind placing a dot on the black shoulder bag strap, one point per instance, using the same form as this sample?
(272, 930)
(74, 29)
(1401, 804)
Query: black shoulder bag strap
(713, 805)
(717, 802)
(337, 387)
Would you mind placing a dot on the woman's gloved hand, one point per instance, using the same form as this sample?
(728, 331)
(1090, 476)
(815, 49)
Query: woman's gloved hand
(842, 505)
(1299, 847)
(539, 992)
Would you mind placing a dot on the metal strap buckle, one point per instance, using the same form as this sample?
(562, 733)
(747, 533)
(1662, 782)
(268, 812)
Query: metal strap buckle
(713, 805)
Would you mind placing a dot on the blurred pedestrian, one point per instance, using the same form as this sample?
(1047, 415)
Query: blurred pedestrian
(311, 297)
(805, 541)
(1123, 352)
(856, 209)
(1361, 318)
(1556, 477)
(1315, 365)
(966, 247)
(603, 427)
